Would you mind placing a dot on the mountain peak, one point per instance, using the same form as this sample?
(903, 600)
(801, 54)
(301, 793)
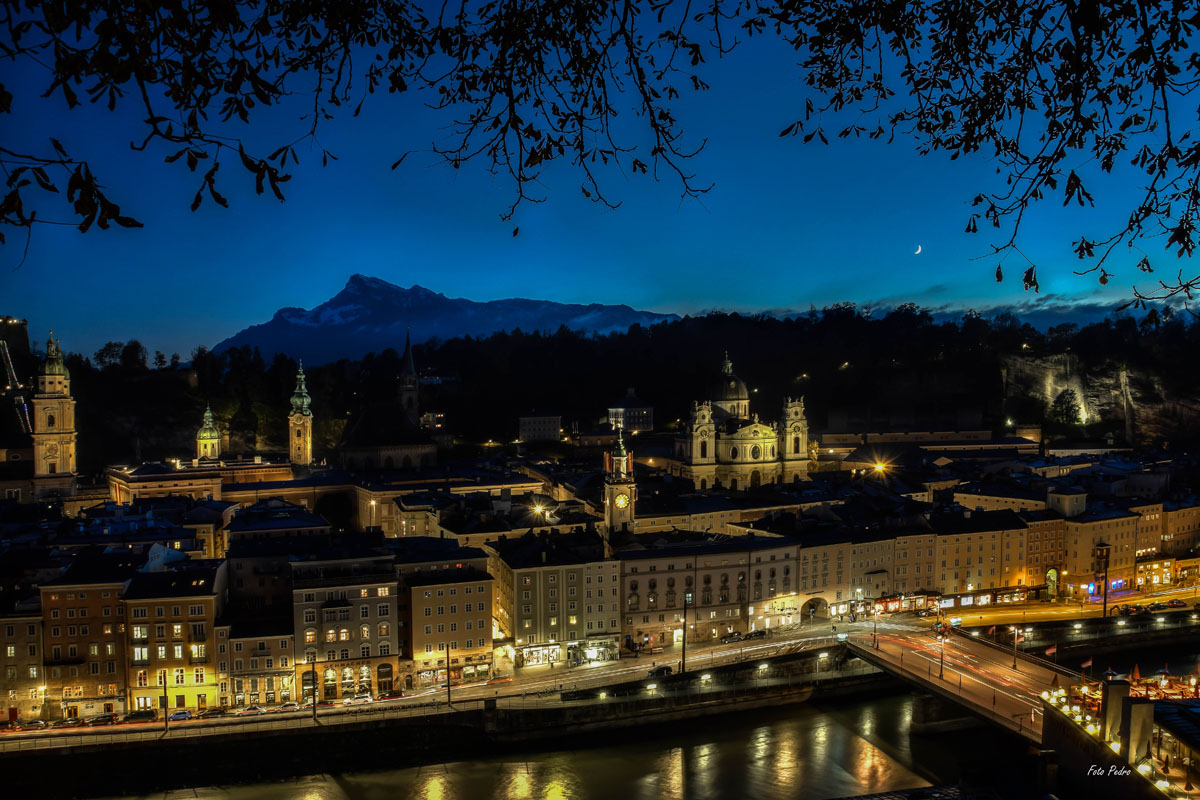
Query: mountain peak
(371, 314)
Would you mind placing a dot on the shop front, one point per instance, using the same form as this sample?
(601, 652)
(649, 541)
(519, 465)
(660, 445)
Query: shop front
(533, 655)
(1155, 574)
(595, 650)
(466, 671)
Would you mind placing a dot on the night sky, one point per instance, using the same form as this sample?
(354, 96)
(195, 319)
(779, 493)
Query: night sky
(787, 225)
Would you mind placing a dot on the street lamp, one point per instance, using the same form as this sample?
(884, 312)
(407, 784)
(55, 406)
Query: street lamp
(941, 656)
(875, 632)
(372, 513)
(1014, 630)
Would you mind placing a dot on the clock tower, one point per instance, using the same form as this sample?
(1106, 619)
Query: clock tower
(620, 492)
(52, 424)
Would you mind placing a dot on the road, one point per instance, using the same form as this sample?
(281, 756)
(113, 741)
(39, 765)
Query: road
(898, 632)
(969, 672)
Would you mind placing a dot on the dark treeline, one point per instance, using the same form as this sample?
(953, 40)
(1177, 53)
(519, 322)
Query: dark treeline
(866, 369)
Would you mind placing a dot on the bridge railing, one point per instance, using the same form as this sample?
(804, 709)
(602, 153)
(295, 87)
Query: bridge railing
(1046, 663)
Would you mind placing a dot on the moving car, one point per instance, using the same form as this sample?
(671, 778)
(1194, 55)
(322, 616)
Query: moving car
(250, 710)
(760, 634)
(358, 699)
(659, 672)
(144, 715)
(69, 722)
(31, 725)
(1157, 606)
(392, 695)
(209, 713)
(289, 706)
(101, 719)
(1176, 603)
(180, 715)
(501, 679)
(735, 636)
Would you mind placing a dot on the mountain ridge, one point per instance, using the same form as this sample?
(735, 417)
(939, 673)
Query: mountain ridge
(371, 314)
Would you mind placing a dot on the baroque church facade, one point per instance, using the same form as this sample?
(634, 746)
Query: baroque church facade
(726, 446)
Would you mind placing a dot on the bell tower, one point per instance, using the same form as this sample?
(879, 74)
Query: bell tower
(409, 385)
(300, 423)
(53, 420)
(620, 491)
(793, 440)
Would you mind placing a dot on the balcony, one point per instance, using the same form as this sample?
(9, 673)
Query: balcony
(197, 659)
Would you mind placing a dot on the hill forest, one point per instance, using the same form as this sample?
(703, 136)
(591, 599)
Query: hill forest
(856, 371)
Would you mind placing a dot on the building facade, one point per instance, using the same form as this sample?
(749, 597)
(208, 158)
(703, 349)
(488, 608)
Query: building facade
(725, 446)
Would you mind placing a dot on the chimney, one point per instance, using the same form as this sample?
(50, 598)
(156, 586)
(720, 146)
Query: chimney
(543, 555)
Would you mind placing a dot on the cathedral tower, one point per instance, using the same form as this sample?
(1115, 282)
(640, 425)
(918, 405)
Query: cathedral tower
(208, 438)
(620, 491)
(409, 399)
(53, 420)
(300, 423)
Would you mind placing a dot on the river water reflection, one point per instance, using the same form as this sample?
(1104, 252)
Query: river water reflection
(809, 751)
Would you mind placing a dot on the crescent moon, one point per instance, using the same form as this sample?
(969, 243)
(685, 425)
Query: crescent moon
(918, 251)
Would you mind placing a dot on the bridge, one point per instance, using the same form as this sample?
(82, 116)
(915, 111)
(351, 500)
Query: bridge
(981, 678)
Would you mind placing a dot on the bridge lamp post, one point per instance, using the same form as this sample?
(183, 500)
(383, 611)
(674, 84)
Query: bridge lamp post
(875, 632)
(941, 656)
(1014, 630)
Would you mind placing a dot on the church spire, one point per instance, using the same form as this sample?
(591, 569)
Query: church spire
(727, 367)
(300, 398)
(407, 367)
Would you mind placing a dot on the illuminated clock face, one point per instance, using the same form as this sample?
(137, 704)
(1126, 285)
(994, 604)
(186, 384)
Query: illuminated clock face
(622, 500)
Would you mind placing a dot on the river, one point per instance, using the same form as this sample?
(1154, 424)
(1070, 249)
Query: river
(811, 751)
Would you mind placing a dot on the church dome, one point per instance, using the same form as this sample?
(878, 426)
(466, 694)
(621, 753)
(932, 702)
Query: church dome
(54, 359)
(727, 387)
(208, 430)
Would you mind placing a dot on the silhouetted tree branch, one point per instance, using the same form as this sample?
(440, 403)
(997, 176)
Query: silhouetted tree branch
(1047, 89)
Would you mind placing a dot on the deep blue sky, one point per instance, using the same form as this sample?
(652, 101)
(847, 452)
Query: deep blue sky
(786, 225)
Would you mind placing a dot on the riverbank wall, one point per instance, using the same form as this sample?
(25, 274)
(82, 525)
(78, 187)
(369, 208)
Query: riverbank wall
(113, 766)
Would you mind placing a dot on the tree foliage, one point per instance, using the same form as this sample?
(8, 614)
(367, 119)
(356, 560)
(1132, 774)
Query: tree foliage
(1065, 408)
(1047, 89)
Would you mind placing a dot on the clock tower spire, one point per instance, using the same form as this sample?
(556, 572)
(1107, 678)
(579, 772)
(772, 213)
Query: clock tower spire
(620, 491)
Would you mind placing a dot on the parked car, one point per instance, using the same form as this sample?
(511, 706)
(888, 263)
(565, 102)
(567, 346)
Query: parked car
(143, 715)
(760, 634)
(358, 699)
(289, 706)
(735, 636)
(69, 722)
(1157, 607)
(392, 695)
(101, 719)
(1176, 603)
(181, 715)
(210, 713)
(250, 710)
(659, 672)
(31, 725)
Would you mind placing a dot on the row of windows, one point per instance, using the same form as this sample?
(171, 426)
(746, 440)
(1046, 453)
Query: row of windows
(454, 609)
(199, 676)
(343, 634)
(469, 643)
(343, 614)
